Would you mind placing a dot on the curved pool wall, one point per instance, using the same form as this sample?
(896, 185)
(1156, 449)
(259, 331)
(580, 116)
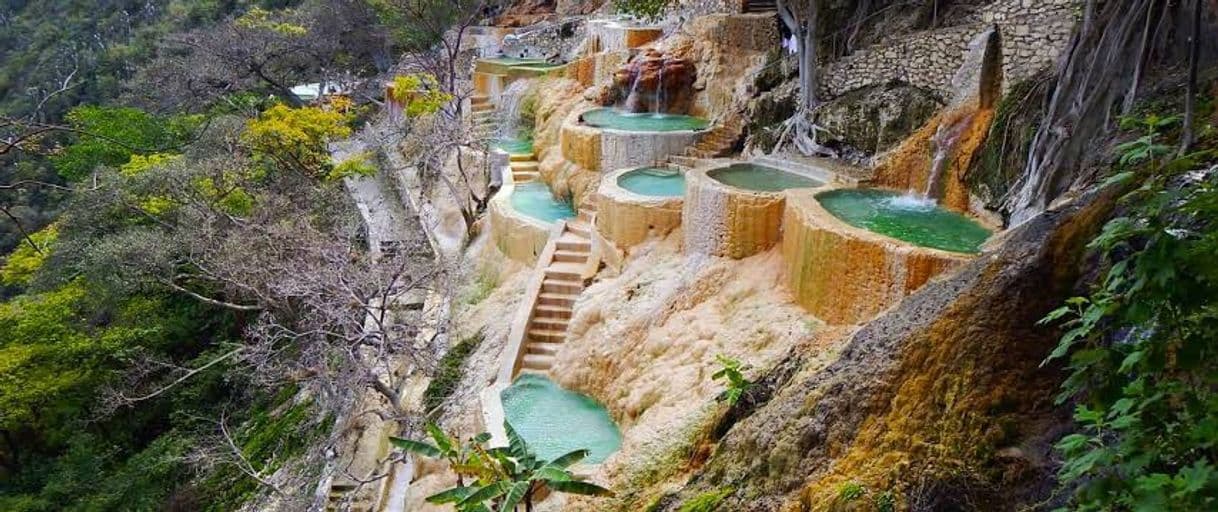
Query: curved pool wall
(606, 149)
(847, 275)
(554, 421)
(519, 236)
(627, 218)
(492, 75)
(614, 119)
(724, 220)
(614, 35)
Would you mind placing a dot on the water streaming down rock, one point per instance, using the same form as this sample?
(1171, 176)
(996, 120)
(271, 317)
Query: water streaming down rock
(946, 138)
(510, 103)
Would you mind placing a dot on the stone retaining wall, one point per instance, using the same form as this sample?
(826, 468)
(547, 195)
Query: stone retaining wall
(516, 235)
(1032, 34)
(846, 275)
(720, 220)
(626, 218)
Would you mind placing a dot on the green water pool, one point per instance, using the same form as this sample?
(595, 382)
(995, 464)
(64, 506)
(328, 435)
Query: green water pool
(914, 220)
(514, 146)
(642, 122)
(760, 178)
(554, 421)
(654, 181)
(536, 200)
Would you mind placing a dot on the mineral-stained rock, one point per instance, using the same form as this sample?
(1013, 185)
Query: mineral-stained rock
(655, 82)
(874, 119)
(925, 400)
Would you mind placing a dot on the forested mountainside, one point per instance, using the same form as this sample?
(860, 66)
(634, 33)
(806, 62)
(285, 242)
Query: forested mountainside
(564, 255)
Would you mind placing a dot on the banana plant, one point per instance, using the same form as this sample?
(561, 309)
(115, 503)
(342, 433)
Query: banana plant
(504, 477)
(469, 460)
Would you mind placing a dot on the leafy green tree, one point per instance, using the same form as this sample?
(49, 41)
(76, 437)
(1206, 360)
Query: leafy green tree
(294, 139)
(110, 136)
(505, 477)
(1140, 347)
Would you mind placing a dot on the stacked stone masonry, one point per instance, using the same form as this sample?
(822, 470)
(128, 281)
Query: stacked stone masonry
(1032, 32)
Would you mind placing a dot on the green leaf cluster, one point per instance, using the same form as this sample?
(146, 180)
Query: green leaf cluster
(1140, 348)
(502, 477)
(732, 370)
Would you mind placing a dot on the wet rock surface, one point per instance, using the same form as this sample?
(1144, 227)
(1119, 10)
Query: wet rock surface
(927, 400)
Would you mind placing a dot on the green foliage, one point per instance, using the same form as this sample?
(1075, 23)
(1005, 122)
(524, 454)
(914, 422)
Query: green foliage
(262, 19)
(448, 375)
(485, 282)
(732, 370)
(294, 139)
(357, 165)
(503, 476)
(139, 164)
(112, 135)
(20, 266)
(645, 9)
(850, 491)
(707, 501)
(418, 94)
(1140, 348)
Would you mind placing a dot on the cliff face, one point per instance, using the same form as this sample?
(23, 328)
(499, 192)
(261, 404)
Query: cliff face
(939, 403)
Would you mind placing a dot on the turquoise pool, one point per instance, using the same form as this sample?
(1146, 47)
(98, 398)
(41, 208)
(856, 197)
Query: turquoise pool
(654, 181)
(760, 178)
(554, 421)
(642, 122)
(912, 219)
(515, 146)
(536, 200)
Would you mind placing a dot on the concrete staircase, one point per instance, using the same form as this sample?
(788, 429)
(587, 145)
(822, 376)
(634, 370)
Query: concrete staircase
(747, 6)
(524, 167)
(720, 140)
(482, 117)
(562, 282)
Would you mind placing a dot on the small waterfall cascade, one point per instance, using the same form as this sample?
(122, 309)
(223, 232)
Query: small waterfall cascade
(659, 97)
(510, 104)
(946, 137)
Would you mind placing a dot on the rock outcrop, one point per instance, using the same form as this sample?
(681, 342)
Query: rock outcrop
(941, 403)
(653, 82)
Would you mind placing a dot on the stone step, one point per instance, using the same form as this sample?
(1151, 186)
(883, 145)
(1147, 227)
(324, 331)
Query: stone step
(537, 362)
(531, 165)
(543, 311)
(558, 284)
(542, 348)
(557, 299)
(525, 177)
(573, 244)
(549, 324)
(579, 228)
(547, 335)
(570, 256)
(522, 158)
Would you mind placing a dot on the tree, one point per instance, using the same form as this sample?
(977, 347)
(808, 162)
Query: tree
(295, 139)
(120, 133)
(801, 17)
(507, 476)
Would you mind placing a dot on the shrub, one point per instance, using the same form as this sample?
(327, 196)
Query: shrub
(707, 501)
(448, 375)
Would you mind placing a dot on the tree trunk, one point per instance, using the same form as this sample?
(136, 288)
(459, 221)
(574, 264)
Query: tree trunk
(1190, 98)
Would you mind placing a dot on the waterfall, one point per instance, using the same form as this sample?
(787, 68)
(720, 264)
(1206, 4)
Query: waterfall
(659, 106)
(637, 69)
(946, 136)
(510, 102)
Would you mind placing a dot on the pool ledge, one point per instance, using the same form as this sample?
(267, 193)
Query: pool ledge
(722, 220)
(517, 235)
(843, 274)
(606, 149)
(627, 218)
